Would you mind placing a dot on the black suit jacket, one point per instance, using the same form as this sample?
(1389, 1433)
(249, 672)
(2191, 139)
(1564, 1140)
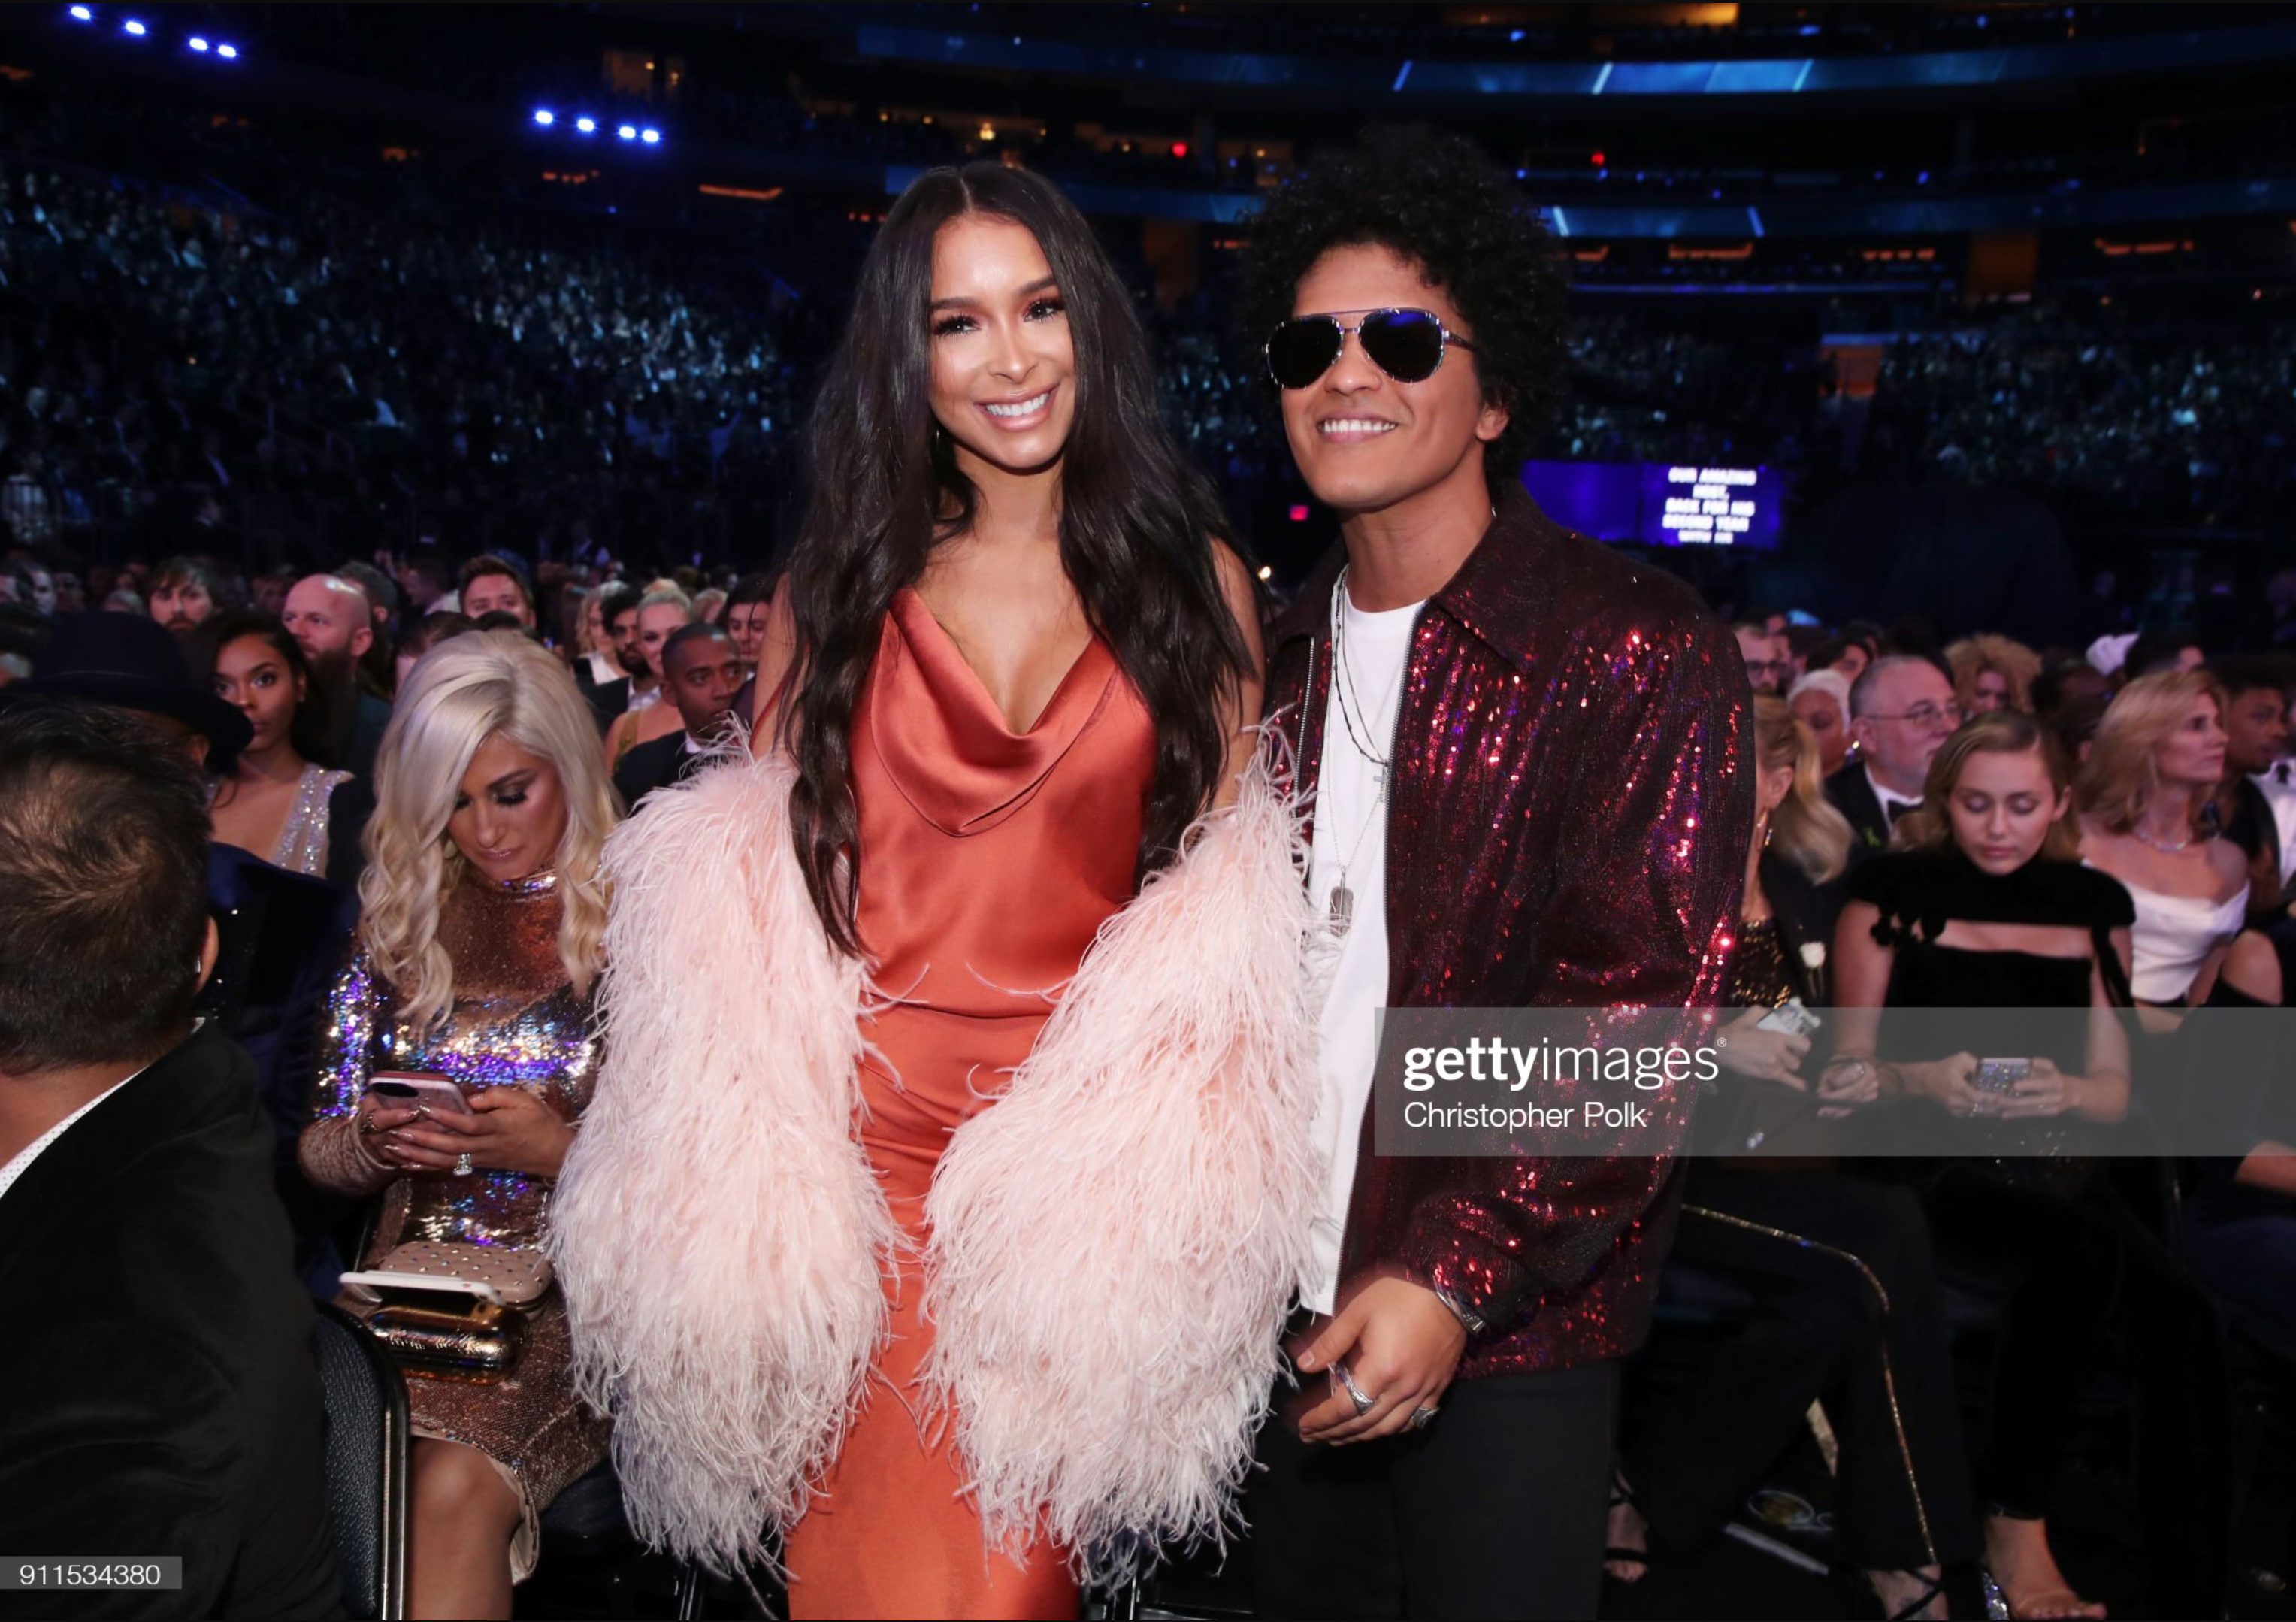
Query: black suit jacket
(654, 764)
(359, 721)
(1853, 795)
(157, 1357)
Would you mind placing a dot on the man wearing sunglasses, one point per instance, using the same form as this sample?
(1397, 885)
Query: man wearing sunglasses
(1524, 750)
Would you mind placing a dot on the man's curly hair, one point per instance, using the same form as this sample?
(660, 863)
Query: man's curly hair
(1436, 198)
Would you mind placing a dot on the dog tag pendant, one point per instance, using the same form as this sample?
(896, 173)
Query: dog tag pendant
(1343, 908)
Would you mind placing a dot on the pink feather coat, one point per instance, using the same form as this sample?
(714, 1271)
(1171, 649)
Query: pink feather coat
(1114, 1243)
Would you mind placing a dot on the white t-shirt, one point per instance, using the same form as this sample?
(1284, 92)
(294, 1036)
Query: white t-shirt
(1350, 841)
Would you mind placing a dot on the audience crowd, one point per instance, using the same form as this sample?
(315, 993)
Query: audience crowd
(185, 375)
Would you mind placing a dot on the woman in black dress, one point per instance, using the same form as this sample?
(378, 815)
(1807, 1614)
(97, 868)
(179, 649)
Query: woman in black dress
(1845, 1293)
(1984, 911)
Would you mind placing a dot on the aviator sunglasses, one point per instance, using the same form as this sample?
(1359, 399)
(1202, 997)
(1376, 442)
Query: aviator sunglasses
(1408, 345)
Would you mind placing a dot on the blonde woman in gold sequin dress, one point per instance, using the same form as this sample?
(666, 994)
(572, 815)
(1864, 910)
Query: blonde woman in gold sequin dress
(477, 958)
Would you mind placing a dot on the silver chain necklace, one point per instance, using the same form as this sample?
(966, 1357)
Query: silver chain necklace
(1342, 899)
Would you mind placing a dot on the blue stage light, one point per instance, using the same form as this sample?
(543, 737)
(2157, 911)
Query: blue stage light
(545, 116)
(627, 132)
(651, 137)
(132, 27)
(588, 125)
(197, 43)
(230, 53)
(80, 13)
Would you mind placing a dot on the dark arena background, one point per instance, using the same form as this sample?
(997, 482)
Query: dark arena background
(1948, 318)
(1995, 300)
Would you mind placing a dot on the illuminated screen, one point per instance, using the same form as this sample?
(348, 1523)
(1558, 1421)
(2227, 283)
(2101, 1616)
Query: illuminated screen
(1660, 504)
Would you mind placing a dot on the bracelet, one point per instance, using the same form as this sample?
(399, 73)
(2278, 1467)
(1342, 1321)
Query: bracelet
(1468, 1320)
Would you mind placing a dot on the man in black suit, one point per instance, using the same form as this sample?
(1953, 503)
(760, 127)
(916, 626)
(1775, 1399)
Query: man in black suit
(702, 673)
(2256, 736)
(1901, 711)
(157, 1358)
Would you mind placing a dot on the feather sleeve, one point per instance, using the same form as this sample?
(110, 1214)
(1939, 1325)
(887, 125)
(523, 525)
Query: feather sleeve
(716, 1229)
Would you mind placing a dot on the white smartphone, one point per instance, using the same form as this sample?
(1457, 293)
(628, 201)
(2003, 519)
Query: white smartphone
(369, 1286)
(436, 1092)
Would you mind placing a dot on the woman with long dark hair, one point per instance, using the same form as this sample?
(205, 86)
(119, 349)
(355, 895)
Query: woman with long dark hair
(277, 798)
(999, 1181)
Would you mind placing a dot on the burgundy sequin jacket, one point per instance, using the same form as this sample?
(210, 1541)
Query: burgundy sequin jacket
(1567, 828)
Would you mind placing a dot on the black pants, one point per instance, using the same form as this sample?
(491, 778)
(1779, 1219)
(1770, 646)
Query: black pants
(2092, 1288)
(1819, 1331)
(1496, 1510)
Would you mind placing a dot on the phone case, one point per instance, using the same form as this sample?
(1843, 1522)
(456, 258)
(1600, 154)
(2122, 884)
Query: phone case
(436, 1092)
(370, 1285)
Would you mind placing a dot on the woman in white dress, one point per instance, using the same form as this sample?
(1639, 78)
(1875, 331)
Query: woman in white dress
(273, 801)
(2158, 757)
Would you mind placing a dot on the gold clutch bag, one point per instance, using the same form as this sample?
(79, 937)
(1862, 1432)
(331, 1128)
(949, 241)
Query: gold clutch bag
(479, 1343)
(452, 1311)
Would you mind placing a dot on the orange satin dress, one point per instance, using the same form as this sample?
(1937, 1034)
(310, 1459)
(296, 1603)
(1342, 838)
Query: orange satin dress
(989, 859)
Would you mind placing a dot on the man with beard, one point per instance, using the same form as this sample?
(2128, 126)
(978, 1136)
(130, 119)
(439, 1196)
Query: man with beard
(331, 620)
(605, 677)
(662, 613)
(702, 673)
(184, 592)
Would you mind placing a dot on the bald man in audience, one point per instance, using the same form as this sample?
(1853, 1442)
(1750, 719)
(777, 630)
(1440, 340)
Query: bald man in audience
(330, 618)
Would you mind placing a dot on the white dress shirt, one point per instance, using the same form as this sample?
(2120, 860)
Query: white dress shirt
(1888, 797)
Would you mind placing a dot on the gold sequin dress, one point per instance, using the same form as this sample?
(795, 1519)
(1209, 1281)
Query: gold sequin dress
(516, 1021)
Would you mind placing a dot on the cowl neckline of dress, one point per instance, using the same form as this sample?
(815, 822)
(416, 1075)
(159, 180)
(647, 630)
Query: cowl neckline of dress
(946, 745)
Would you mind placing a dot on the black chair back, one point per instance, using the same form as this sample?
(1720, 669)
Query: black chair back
(366, 1464)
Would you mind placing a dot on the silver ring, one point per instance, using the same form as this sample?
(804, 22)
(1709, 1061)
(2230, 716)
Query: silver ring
(1421, 1418)
(463, 1167)
(1363, 1404)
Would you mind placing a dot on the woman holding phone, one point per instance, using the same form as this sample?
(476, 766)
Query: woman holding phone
(982, 1125)
(1983, 909)
(477, 958)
